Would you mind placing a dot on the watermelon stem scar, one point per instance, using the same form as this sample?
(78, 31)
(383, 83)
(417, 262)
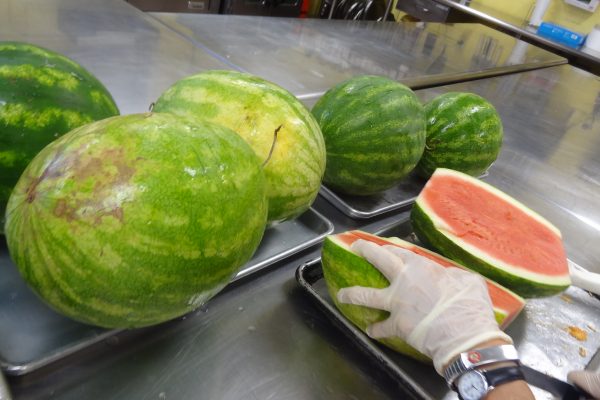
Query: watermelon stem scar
(272, 146)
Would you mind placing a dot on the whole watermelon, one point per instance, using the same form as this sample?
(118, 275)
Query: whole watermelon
(134, 220)
(277, 126)
(42, 95)
(464, 133)
(374, 130)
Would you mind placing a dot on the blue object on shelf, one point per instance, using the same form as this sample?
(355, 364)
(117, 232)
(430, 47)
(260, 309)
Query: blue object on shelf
(560, 34)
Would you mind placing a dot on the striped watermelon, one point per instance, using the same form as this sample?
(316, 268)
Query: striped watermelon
(342, 268)
(42, 96)
(464, 133)
(260, 111)
(374, 131)
(489, 232)
(134, 220)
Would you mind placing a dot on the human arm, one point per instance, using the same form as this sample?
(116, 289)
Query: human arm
(441, 312)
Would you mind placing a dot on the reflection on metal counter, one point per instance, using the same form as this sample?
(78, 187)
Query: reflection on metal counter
(308, 56)
(135, 56)
(191, 6)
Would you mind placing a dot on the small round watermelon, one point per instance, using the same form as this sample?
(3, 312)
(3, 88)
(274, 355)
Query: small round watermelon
(42, 95)
(374, 130)
(279, 128)
(137, 219)
(464, 133)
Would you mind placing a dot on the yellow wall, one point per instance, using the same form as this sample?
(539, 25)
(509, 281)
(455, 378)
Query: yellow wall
(558, 12)
(518, 11)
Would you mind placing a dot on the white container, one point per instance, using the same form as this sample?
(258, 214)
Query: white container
(592, 42)
(538, 12)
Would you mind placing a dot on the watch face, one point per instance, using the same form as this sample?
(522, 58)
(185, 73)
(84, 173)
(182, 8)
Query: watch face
(472, 385)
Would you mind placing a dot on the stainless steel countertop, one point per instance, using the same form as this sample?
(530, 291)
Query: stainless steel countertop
(135, 56)
(262, 338)
(308, 56)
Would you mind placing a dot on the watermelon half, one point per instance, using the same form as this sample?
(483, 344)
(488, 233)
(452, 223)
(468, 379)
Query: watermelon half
(486, 230)
(342, 268)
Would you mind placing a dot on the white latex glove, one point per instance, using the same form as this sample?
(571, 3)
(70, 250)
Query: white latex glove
(586, 380)
(441, 312)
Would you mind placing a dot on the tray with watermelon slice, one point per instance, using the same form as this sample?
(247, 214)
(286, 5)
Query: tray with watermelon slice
(554, 335)
(460, 221)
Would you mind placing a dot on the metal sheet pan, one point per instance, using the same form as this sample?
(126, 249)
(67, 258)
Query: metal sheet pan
(32, 335)
(363, 207)
(541, 332)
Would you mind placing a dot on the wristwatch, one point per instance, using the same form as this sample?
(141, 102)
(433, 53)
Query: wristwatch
(476, 358)
(476, 384)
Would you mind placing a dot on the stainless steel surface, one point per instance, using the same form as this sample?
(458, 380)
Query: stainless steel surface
(308, 56)
(262, 337)
(4, 391)
(32, 335)
(135, 56)
(396, 198)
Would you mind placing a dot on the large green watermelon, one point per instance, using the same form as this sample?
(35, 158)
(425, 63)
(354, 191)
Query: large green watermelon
(486, 230)
(277, 126)
(134, 220)
(342, 268)
(374, 131)
(42, 96)
(464, 133)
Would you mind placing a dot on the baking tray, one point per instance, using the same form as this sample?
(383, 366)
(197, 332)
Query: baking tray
(540, 332)
(32, 335)
(362, 207)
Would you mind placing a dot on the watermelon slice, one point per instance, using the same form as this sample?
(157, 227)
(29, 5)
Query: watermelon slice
(489, 232)
(342, 268)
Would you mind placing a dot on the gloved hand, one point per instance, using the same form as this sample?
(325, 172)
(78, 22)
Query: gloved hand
(439, 311)
(586, 380)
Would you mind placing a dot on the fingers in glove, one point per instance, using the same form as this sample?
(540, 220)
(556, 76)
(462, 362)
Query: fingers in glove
(382, 329)
(586, 380)
(387, 263)
(363, 296)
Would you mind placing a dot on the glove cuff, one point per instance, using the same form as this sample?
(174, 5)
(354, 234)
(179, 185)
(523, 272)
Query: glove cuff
(444, 357)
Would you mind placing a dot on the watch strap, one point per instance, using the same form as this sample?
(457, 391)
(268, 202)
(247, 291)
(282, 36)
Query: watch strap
(498, 376)
(476, 358)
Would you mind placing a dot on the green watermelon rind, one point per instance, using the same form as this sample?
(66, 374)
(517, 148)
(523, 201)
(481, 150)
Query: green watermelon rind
(374, 130)
(335, 259)
(43, 95)
(435, 238)
(464, 133)
(256, 108)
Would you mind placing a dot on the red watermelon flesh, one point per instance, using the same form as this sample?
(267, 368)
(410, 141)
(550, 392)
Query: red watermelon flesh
(507, 305)
(486, 230)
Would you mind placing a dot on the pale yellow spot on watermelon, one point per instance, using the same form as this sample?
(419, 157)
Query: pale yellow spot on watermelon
(110, 257)
(48, 76)
(175, 220)
(9, 157)
(19, 115)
